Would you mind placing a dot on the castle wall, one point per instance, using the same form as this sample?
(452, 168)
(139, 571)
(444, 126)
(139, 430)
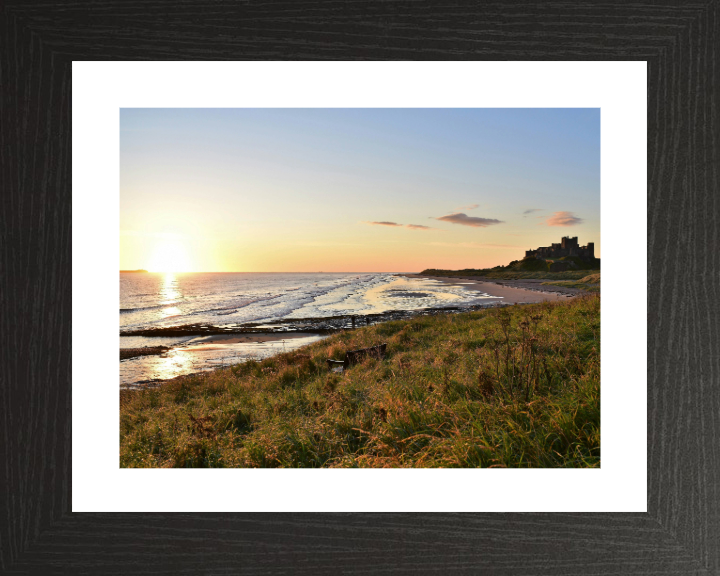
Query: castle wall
(566, 247)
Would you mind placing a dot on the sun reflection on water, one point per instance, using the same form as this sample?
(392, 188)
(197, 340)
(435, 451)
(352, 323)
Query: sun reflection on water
(169, 291)
(170, 312)
(171, 365)
(198, 358)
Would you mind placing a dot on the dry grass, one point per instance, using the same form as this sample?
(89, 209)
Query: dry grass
(513, 387)
(590, 283)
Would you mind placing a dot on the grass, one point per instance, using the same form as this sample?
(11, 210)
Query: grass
(589, 283)
(510, 387)
(567, 275)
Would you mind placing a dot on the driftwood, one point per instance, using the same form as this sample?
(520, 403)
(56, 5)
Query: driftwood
(354, 356)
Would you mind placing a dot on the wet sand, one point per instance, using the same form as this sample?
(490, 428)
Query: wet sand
(204, 343)
(247, 338)
(503, 289)
(207, 352)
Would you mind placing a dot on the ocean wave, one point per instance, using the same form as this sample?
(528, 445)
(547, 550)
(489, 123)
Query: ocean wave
(205, 299)
(128, 310)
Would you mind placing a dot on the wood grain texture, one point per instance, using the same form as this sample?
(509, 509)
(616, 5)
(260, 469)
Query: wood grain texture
(681, 532)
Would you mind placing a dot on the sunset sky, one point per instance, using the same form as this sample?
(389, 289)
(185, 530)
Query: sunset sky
(357, 190)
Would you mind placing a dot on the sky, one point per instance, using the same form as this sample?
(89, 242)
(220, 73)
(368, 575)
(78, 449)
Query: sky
(353, 190)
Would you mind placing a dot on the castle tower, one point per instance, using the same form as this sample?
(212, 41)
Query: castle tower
(591, 249)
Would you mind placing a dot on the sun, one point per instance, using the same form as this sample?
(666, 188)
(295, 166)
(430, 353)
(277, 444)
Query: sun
(169, 255)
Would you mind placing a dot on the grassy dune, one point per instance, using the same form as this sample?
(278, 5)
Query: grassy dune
(567, 275)
(509, 274)
(528, 268)
(511, 387)
(590, 283)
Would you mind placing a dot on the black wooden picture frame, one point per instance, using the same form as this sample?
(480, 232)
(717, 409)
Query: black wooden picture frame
(680, 533)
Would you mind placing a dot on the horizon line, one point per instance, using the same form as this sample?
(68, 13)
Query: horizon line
(273, 272)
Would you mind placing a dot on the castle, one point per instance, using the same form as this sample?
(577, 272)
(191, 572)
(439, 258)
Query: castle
(566, 247)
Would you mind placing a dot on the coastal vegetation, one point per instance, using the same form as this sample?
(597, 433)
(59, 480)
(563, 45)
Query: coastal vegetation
(590, 283)
(516, 386)
(565, 268)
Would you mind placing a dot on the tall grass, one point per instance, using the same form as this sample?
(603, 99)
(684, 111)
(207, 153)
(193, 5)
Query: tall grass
(590, 283)
(511, 387)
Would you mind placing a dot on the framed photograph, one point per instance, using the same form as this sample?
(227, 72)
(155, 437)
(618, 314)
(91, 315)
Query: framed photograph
(459, 373)
(645, 503)
(290, 294)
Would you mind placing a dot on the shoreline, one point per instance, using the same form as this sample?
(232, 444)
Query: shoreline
(212, 340)
(200, 346)
(269, 413)
(500, 292)
(322, 325)
(200, 343)
(129, 353)
(528, 291)
(208, 338)
(243, 338)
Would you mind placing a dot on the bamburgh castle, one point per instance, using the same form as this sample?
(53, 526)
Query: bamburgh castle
(566, 247)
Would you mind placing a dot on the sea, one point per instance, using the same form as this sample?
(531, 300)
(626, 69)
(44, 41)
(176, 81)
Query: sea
(189, 312)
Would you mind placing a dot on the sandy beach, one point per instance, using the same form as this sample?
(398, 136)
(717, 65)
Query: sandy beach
(504, 289)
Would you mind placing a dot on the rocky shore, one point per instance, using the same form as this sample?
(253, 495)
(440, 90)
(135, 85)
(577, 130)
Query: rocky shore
(312, 325)
(126, 353)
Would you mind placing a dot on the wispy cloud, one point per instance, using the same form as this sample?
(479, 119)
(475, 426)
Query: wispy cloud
(396, 225)
(469, 207)
(383, 223)
(471, 245)
(531, 210)
(465, 220)
(563, 219)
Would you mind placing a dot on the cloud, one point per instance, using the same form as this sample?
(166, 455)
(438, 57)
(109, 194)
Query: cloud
(383, 223)
(465, 220)
(469, 207)
(563, 219)
(531, 210)
(396, 225)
